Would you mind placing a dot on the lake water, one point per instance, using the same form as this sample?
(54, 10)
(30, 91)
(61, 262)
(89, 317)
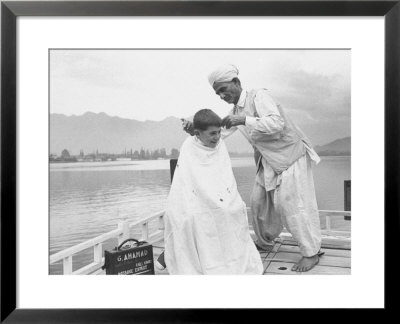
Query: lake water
(89, 198)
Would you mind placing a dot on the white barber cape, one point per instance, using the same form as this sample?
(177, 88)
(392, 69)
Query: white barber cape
(206, 225)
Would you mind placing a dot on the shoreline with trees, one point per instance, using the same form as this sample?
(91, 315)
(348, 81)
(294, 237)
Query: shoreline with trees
(137, 155)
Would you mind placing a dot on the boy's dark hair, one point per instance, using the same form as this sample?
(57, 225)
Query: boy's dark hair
(205, 118)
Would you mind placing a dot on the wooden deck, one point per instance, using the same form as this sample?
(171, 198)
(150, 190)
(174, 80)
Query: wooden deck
(285, 253)
(335, 261)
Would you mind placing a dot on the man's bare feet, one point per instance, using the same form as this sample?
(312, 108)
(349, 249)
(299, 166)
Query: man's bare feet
(306, 263)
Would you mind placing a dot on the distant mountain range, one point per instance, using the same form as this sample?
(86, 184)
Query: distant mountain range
(100, 132)
(338, 147)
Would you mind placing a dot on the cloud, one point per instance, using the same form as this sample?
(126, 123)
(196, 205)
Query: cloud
(312, 85)
(91, 67)
(316, 96)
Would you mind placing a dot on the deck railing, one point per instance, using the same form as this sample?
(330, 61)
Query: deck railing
(328, 214)
(124, 229)
(121, 234)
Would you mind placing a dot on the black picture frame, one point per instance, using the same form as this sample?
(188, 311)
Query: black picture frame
(10, 10)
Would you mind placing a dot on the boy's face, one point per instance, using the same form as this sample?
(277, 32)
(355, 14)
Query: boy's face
(210, 136)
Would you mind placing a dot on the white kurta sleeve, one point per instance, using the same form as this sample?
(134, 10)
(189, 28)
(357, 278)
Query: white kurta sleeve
(225, 132)
(269, 121)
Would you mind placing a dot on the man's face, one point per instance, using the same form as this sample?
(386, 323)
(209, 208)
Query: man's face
(228, 91)
(210, 136)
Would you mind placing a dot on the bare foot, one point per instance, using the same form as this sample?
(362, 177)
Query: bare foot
(306, 263)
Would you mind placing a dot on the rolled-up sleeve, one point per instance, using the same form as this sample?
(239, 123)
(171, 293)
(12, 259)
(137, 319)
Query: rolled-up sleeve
(269, 121)
(225, 132)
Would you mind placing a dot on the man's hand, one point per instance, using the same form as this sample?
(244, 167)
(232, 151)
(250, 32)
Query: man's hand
(187, 126)
(233, 120)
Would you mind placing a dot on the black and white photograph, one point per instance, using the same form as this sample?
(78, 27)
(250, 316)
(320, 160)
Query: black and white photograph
(190, 160)
(199, 161)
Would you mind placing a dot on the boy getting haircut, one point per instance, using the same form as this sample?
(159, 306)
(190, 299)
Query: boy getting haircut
(205, 118)
(206, 224)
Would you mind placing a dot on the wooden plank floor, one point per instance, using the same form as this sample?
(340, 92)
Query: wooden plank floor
(335, 261)
(285, 253)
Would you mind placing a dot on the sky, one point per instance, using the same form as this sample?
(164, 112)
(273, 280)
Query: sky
(312, 85)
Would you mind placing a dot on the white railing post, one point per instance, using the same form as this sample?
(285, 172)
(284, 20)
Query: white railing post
(98, 252)
(145, 231)
(328, 223)
(123, 226)
(67, 265)
(161, 226)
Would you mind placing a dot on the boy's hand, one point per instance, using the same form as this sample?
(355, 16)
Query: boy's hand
(187, 126)
(233, 120)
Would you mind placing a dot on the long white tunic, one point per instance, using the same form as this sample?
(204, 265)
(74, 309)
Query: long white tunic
(270, 122)
(286, 199)
(206, 224)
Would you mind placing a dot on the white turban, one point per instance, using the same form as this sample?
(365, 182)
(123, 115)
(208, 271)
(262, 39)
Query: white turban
(224, 73)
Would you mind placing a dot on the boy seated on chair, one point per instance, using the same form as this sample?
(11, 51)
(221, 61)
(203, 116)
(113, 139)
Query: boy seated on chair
(206, 224)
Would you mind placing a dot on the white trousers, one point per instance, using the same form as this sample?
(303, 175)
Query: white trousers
(292, 204)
